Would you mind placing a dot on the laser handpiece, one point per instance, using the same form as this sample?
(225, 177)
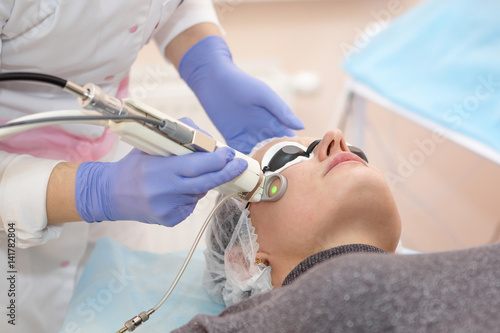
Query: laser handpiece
(144, 128)
(174, 138)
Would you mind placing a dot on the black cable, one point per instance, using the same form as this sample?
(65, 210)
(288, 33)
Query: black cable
(73, 118)
(26, 76)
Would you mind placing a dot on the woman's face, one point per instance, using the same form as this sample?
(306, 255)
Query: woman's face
(327, 196)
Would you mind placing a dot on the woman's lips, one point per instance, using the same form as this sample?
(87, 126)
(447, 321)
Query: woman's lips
(344, 157)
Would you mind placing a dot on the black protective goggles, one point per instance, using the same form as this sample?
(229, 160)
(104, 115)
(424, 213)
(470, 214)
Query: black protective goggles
(287, 153)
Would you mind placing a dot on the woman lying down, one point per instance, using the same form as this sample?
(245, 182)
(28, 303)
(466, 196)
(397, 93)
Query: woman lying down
(321, 259)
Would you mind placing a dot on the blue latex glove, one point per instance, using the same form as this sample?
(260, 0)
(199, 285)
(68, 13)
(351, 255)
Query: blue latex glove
(151, 189)
(244, 109)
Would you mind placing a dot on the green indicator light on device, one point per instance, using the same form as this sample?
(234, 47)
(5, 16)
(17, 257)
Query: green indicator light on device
(274, 189)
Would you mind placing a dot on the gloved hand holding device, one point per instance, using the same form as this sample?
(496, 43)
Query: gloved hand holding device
(244, 109)
(151, 189)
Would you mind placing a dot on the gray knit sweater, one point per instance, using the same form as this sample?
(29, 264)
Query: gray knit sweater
(456, 291)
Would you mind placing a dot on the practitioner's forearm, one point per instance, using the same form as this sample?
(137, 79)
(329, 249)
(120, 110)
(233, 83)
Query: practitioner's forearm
(60, 202)
(176, 49)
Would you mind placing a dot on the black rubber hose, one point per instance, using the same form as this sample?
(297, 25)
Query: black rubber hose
(26, 76)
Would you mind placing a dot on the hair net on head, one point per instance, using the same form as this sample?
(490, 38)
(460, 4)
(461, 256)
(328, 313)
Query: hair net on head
(231, 274)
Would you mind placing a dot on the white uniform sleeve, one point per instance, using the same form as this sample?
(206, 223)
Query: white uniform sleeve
(23, 185)
(5, 10)
(23, 192)
(188, 14)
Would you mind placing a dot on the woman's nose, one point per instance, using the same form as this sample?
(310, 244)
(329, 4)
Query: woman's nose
(332, 143)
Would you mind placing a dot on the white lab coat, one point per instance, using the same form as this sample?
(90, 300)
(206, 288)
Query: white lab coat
(82, 41)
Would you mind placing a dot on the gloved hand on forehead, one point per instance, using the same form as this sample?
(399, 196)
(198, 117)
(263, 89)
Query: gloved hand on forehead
(151, 189)
(244, 109)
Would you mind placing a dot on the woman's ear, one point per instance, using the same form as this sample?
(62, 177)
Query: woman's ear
(262, 257)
